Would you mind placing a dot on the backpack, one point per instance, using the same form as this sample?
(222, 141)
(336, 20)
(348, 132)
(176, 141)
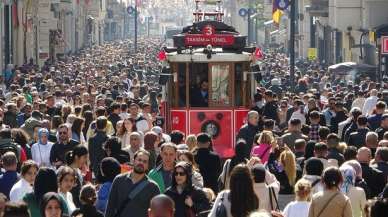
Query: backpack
(13, 147)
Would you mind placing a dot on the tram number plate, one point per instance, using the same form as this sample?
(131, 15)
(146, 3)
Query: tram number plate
(214, 40)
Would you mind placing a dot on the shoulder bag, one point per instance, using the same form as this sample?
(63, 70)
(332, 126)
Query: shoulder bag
(221, 209)
(132, 194)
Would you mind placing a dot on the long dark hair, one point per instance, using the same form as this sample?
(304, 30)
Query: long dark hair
(46, 199)
(45, 181)
(20, 137)
(88, 116)
(78, 151)
(242, 196)
(76, 127)
(188, 171)
(239, 156)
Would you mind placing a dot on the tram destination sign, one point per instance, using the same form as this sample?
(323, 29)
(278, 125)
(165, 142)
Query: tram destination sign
(207, 37)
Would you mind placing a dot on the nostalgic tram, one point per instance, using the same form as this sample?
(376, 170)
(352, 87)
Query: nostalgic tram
(212, 80)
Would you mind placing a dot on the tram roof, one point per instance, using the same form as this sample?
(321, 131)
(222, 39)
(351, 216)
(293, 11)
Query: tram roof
(218, 56)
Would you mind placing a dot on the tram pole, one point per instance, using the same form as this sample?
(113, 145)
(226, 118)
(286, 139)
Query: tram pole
(292, 44)
(136, 26)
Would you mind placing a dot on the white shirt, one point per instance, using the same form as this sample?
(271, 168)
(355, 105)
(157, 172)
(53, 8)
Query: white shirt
(41, 153)
(19, 189)
(369, 105)
(69, 201)
(297, 209)
(359, 103)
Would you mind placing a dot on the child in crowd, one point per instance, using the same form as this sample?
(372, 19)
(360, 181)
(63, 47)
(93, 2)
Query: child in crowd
(299, 207)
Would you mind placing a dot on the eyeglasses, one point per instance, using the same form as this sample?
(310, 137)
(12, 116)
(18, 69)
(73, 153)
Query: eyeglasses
(180, 174)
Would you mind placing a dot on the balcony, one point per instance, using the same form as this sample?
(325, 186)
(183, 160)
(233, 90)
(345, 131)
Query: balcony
(318, 8)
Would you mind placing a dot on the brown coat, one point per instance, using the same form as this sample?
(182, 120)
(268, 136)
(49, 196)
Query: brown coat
(339, 206)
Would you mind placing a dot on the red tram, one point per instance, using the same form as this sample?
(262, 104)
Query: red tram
(212, 80)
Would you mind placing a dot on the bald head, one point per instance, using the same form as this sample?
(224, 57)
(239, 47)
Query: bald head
(161, 206)
(364, 155)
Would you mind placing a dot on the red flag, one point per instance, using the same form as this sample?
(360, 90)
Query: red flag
(162, 55)
(259, 53)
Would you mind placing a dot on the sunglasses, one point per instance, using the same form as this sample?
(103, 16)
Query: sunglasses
(180, 174)
(62, 132)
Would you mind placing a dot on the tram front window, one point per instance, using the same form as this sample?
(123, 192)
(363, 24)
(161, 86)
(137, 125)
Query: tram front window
(199, 85)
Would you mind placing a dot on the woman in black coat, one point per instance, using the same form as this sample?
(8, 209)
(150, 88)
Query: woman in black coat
(189, 200)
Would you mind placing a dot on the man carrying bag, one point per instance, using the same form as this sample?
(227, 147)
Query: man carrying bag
(132, 192)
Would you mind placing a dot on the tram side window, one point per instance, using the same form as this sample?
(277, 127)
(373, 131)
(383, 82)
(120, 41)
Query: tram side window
(182, 84)
(239, 84)
(199, 84)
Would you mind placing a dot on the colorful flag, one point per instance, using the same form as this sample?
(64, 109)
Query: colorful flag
(277, 15)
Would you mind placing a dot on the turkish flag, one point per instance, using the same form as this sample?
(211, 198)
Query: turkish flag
(162, 55)
(259, 53)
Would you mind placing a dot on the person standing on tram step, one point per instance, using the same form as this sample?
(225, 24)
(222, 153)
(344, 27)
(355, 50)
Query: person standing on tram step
(200, 96)
(131, 193)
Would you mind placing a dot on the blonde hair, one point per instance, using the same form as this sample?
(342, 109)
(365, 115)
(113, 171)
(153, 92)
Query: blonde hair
(265, 137)
(342, 147)
(191, 141)
(287, 158)
(303, 190)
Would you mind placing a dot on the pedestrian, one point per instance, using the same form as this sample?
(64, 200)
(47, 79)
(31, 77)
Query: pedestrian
(299, 207)
(241, 199)
(95, 144)
(209, 162)
(28, 171)
(266, 143)
(266, 187)
(10, 176)
(14, 209)
(41, 150)
(51, 205)
(189, 200)
(188, 157)
(45, 181)
(64, 144)
(110, 168)
(88, 198)
(162, 174)
(112, 147)
(331, 202)
(249, 130)
(66, 180)
(132, 192)
(77, 159)
(161, 206)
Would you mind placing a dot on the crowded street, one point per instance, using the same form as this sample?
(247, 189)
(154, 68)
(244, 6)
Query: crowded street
(193, 108)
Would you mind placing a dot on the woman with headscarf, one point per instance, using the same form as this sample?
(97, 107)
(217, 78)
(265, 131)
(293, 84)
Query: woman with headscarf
(45, 181)
(356, 194)
(189, 200)
(40, 151)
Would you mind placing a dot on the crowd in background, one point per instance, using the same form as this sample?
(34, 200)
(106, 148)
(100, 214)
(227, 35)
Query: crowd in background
(84, 137)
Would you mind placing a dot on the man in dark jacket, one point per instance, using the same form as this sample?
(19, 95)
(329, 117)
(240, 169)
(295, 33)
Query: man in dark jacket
(249, 130)
(61, 147)
(383, 126)
(381, 161)
(10, 116)
(374, 121)
(270, 110)
(352, 126)
(208, 161)
(358, 138)
(200, 96)
(332, 143)
(340, 116)
(126, 184)
(114, 115)
(373, 177)
(95, 144)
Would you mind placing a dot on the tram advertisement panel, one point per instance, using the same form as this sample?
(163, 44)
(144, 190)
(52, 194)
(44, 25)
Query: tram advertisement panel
(218, 124)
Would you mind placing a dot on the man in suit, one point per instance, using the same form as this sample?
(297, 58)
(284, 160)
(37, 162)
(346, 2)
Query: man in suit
(200, 96)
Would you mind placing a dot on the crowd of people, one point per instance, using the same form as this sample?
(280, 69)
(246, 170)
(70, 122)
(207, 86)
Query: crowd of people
(84, 137)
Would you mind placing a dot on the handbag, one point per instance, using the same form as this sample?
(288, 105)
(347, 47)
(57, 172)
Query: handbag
(221, 209)
(222, 178)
